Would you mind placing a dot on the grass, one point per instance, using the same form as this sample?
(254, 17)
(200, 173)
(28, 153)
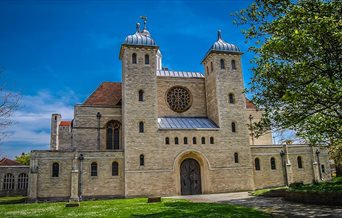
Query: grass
(137, 207)
(12, 200)
(262, 192)
(334, 185)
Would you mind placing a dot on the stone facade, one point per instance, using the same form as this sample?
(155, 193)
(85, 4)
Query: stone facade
(118, 146)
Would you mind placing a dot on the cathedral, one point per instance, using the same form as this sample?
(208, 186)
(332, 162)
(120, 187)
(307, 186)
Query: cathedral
(161, 132)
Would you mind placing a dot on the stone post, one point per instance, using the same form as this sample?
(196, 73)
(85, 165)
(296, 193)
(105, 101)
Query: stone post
(33, 179)
(74, 180)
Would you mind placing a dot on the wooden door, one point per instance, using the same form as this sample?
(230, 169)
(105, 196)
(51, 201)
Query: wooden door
(190, 177)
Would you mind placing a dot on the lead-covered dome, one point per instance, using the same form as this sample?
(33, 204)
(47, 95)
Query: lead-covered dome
(140, 38)
(221, 46)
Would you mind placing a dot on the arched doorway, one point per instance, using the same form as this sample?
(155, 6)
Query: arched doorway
(190, 176)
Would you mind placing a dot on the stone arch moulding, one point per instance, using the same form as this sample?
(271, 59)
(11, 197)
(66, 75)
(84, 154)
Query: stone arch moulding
(204, 168)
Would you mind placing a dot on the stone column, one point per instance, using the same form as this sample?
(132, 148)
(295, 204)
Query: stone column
(33, 179)
(74, 180)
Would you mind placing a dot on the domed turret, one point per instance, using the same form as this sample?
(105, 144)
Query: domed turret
(221, 46)
(140, 37)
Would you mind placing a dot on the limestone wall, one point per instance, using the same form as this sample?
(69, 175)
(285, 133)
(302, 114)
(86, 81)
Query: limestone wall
(15, 171)
(265, 139)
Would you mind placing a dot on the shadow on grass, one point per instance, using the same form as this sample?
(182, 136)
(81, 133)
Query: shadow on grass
(190, 209)
(13, 200)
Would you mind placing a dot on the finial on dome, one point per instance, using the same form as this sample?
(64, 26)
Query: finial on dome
(219, 36)
(137, 26)
(144, 18)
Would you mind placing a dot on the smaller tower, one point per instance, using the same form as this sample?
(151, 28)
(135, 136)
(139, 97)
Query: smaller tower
(55, 121)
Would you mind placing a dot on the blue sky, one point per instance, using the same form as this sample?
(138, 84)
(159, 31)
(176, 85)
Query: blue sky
(55, 53)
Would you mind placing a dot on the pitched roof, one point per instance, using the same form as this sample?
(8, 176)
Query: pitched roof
(8, 162)
(167, 73)
(65, 123)
(250, 105)
(108, 93)
(177, 123)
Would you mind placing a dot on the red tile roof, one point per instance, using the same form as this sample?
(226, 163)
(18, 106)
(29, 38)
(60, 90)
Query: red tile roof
(108, 94)
(8, 162)
(65, 123)
(250, 105)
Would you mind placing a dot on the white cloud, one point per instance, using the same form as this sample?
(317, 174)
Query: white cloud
(32, 120)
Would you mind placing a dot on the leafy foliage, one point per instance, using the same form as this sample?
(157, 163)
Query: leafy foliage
(331, 186)
(24, 158)
(297, 67)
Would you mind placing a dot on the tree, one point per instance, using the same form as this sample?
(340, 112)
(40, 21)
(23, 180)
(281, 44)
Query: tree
(9, 102)
(24, 158)
(297, 67)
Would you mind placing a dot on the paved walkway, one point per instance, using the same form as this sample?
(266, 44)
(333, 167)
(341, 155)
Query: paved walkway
(275, 206)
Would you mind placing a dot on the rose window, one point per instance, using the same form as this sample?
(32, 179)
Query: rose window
(179, 99)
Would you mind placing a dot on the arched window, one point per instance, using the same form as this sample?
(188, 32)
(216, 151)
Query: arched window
(273, 163)
(8, 182)
(167, 140)
(194, 140)
(211, 66)
(222, 64)
(141, 127)
(113, 135)
(147, 59)
(236, 157)
(176, 140)
(233, 65)
(55, 170)
(233, 127)
(299, 162)
(93, 169)
(115, 168)
(211, 140)
(141, 95)
(142, 160)
(231, 98)
(22, 181)
(203, 140)
(185, 140)
(134, 58)
(257, 164)
(323, 168)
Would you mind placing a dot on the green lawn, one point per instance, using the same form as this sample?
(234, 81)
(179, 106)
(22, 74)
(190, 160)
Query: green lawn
(137, 207)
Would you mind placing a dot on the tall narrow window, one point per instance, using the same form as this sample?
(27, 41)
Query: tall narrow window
(194, 140)
(233, 65)
(147, 59)
(299, 162)
(207, 70)
(236, 157)
(141, 95)
(167, 140)
(142, 160)
(55, 170)
(203, 140)
(211, 140)
(222, 64)
(176, 140)
(233, 127)
(257, 164)
(141, 127)
(231, 98)
(273, 163)
(134, 58)
(8, 182)
(22, 181)
(211, 66)
(185, 140)
(115, 168)
(113, 135)
(93, 169)
(323, 168)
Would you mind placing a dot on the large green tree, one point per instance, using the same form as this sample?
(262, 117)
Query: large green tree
(297, 67)
(24, 158)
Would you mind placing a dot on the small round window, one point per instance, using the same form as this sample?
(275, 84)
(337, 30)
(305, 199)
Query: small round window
(179, 99)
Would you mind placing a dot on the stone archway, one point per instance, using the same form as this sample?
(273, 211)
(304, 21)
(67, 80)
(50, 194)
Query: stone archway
(190, 177)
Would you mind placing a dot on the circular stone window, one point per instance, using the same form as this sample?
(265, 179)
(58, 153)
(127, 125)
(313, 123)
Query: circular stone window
(179, 99)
